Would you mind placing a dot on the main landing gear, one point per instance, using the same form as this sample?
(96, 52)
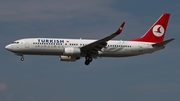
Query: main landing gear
(88, 60)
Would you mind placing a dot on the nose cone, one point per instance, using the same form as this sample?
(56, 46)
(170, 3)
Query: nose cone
(8, 47)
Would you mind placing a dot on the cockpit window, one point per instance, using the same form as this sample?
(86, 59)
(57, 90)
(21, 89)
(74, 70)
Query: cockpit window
(15, 42)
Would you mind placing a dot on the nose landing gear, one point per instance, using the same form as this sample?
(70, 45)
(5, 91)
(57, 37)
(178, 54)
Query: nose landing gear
(22, 58)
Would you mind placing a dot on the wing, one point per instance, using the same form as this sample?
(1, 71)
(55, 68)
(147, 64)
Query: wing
(96, 46)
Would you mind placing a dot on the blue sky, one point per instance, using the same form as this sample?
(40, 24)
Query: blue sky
(150, 77)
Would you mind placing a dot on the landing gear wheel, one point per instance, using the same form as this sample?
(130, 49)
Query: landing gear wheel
(87, 62)
(22, 58)
(89, 59)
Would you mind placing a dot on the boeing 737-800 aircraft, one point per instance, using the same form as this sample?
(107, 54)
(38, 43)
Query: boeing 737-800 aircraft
(74, 49)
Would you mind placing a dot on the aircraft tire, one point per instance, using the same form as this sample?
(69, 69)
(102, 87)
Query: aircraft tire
(89, 59)
(87, 62)
(22, 58)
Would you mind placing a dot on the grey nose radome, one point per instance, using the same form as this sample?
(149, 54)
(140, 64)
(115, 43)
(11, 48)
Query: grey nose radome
(8, 47)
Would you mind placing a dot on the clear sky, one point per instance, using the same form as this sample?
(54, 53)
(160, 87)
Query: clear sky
(150, 77)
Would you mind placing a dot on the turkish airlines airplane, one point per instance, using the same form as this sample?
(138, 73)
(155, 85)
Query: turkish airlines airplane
(74, 49)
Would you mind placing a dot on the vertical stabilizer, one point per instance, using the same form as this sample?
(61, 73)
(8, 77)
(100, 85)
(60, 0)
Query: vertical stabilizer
(157, 31)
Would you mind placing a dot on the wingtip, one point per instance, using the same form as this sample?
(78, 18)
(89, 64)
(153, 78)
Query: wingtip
(120, 28)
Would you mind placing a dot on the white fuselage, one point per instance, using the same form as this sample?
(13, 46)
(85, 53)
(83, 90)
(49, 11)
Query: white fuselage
(73, 49)
(56, 46)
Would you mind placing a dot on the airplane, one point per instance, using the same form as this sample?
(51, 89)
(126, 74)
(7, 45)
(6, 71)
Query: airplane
(74, 49)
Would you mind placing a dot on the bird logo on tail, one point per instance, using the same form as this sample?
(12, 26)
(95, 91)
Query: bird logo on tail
(158, 30)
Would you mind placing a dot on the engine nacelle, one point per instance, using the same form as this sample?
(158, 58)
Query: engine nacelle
(68, 58)
(72, 51)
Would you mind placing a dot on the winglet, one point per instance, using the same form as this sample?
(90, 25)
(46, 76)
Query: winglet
(120, 29)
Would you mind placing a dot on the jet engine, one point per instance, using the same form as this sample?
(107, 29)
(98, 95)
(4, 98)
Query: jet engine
(72, 51)
(68, 58)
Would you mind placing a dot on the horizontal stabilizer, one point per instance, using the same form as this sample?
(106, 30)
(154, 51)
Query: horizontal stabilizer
(162, 43)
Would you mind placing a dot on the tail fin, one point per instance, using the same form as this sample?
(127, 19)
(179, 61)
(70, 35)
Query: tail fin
(157, 31)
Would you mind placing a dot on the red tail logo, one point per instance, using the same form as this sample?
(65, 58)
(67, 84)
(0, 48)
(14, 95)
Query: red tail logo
(157, 31)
